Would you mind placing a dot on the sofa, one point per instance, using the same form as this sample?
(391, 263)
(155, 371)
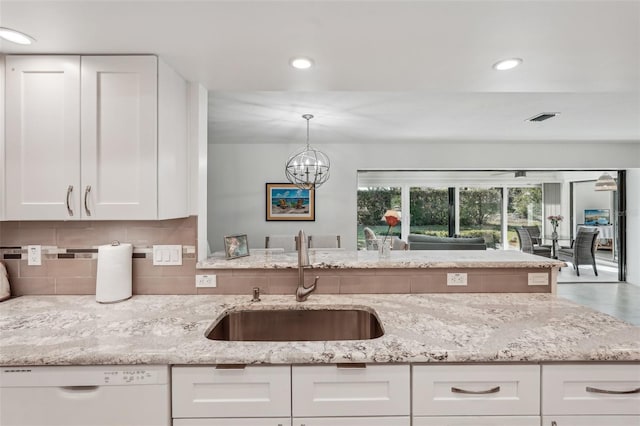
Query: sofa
(429, 242)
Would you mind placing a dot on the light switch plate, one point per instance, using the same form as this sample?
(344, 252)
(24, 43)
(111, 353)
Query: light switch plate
(457, 278)
(206, 281)
(167, 255)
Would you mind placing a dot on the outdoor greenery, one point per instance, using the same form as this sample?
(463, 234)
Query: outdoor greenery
(480, 211)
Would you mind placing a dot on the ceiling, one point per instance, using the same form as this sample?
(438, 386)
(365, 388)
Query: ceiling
(404, 71)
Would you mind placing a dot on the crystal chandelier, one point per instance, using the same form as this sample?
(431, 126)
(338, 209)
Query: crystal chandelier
(309, 167)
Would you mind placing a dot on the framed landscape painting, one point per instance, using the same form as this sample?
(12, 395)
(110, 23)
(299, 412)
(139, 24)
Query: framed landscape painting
(285, 201)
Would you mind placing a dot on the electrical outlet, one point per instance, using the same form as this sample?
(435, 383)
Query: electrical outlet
(456, 278)
(206, 281)
(538, 278)
(34, 255)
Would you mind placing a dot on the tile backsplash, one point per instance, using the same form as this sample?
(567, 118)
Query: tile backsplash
(70, 249)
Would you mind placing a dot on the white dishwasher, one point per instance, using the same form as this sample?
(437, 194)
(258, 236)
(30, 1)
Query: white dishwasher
(114, 395)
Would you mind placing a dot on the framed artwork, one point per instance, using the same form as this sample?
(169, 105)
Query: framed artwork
(236, 246)
(285, 201)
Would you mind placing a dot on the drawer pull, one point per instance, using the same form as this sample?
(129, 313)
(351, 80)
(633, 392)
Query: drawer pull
(352, 365)
(230, 366)
(482, 392)
(596, 390)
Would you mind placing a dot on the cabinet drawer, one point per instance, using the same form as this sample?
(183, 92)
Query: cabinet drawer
(477, 421)
(476, 390)
(221, 392)
(330, 390)
(590, 420)
(353, 421)
(233, 422)
(591, 389)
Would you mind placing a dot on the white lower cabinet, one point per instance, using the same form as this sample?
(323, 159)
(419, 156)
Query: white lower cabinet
(223, 392)
(590, 421)
(350, 390)
(233, 422)
(591, 394)
(477, 421)
(352, 421)
(478, 390)
(579, 394)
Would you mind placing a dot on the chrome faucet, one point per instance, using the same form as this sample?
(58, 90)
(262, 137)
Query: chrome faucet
(302, 293)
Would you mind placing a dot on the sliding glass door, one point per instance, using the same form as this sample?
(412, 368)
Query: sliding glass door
(481, 214)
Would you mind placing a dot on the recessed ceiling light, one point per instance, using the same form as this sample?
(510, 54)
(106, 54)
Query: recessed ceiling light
(507, 64)
(301, 63)
(15, 36)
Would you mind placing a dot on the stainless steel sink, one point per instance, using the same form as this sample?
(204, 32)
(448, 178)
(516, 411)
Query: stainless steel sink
(295, 325)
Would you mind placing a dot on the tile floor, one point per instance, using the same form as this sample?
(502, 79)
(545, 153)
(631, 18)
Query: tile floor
(620, 300)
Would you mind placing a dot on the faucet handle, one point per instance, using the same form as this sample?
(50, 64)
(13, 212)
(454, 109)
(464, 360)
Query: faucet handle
(256, 294)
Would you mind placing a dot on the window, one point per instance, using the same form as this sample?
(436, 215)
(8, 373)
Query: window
(372, 203)
(429, 209)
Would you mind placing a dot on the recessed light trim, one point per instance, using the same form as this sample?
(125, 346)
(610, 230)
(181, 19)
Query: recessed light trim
(16, 36)
(301, 62)
(507, 64)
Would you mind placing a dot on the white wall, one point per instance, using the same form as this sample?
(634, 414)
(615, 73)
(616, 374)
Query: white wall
(238, 173)
(585, 197)
(633, 224)
(2, 188)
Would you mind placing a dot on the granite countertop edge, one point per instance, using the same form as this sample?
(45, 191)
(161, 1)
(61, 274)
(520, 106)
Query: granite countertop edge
(429, 328)
(399, 259)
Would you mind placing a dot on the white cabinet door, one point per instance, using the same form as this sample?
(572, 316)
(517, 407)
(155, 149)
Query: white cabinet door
(598, 389)
(590, 421)
(42, 137)
(330, 390)
(352, 421)
(477, 421)
(489, 390)
(233, 422)
(119, 137)
(253, 391)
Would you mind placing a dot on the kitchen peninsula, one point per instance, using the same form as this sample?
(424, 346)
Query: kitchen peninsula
(430, 271)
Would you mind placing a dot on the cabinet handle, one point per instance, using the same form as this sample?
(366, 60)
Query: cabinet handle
(87, 190)
(596, 390)
(231, 366)
(353, 365)
(482, 392)
(69, 191)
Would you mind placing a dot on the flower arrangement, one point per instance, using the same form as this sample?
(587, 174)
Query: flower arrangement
(392, 217)
(555, 220)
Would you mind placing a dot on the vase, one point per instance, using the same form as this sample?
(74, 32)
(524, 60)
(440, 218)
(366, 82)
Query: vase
(554, 235)
(384, 248)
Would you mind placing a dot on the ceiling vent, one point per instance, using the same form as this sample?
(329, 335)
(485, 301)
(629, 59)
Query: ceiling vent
(520, 173)
(543, 116)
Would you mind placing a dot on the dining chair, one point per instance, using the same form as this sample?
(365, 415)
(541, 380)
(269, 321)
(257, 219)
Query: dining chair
(286, 242)
(526, 244)
(583, 250)
(324, 241)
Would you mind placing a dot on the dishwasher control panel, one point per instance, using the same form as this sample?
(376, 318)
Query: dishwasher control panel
(108, 375)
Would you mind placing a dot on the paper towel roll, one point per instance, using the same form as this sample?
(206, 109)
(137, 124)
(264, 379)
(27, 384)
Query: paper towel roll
(113, 278)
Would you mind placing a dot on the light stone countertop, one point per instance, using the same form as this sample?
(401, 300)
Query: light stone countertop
(399, 259)
(63, 330)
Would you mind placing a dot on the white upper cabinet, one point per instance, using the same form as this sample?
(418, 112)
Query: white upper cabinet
(42, 137)
(119, 133)
(84, 139)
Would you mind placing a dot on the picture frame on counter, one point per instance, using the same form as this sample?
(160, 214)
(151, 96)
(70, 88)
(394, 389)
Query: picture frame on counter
(236, 246)
(287, 202)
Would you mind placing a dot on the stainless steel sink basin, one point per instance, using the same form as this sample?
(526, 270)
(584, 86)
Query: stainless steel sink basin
(296, 325)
